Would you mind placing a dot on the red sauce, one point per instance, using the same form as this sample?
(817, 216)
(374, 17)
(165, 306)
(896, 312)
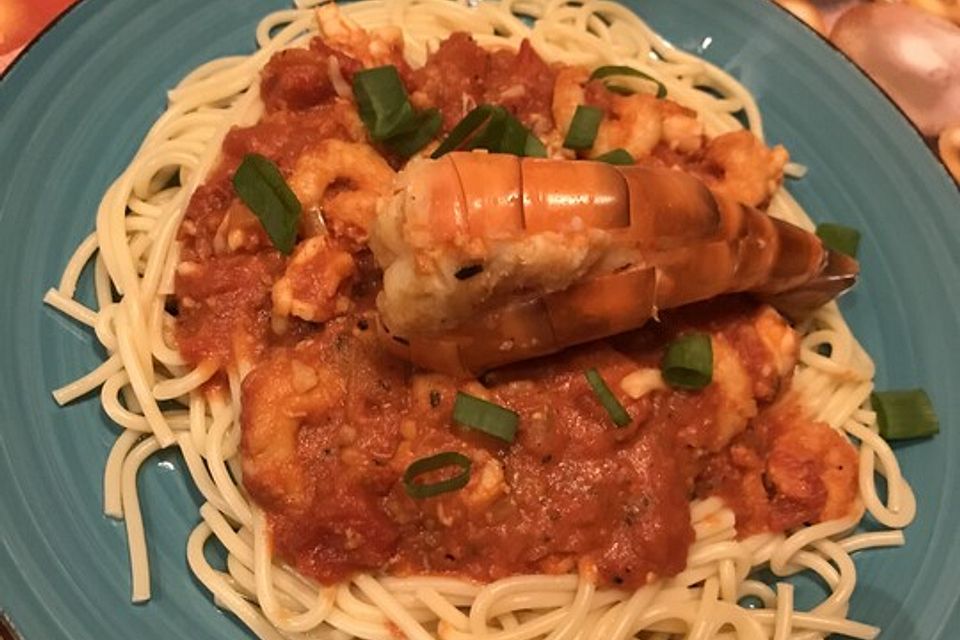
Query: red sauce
(330, 422)
(461, 75)
(571, 489)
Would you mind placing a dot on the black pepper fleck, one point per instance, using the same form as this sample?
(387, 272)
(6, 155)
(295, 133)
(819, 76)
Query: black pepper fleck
(464, 273)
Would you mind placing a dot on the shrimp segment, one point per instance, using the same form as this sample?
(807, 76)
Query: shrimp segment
(342, 181)
(571, 252)
(636, 122)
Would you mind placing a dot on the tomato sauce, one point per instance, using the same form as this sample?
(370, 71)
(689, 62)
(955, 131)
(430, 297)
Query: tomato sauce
(572, 489)
(462, 75)
(331, 422)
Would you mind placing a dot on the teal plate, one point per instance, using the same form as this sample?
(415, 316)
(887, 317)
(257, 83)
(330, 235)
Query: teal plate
(72, 112)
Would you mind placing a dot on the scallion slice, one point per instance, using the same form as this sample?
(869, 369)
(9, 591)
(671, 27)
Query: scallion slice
(583, 128)
(382, 102)
(475, 413)
(426, 126)
(489, 135)
(262, 188)
(842, 239)
(617, 89)
(609, 401)
(471, 123)
(621, 70)
(513, 137)
(688, 362)
(434, 463)
(534, 148)
(492, 128)
(617, 156)
(904, 415)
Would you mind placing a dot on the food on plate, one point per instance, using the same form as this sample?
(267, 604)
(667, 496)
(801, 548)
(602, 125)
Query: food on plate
(466, 327)
(490, 259)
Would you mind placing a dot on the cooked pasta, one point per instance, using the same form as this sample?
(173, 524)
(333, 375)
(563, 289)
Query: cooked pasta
(134, 251)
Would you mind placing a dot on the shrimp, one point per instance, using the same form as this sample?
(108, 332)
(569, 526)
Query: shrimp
(373, 47)
(785, 470)
(741, 167)
(490, 259)
(809, 460)
(312, 287)
(747, 381)
(637, 122)
(568, 94)
(342, 182)
(279, 396)
(239, 231)
(633, 123)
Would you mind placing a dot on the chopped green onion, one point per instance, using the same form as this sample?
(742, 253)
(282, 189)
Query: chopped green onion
(609, 401)
(470, 124)
(839, 238)
(475, 413)
(435, 463)
(382, 102)
(617, 156)
(501, 133)
(262, 188)
(426, 126)
(534, 148)
(388, 115)
(902, 415)
(513, 139)
(583, 128)
(620, 70)
(467, 272)
(688, 362)
(617, 89)
(492, 128)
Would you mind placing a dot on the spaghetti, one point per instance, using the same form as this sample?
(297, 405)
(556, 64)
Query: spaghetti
(135, 254)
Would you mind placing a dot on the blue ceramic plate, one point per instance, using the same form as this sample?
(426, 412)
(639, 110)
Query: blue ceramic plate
(73, 111)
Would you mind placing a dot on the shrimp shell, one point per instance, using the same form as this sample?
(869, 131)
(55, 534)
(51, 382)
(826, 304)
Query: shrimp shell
(665, 240)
